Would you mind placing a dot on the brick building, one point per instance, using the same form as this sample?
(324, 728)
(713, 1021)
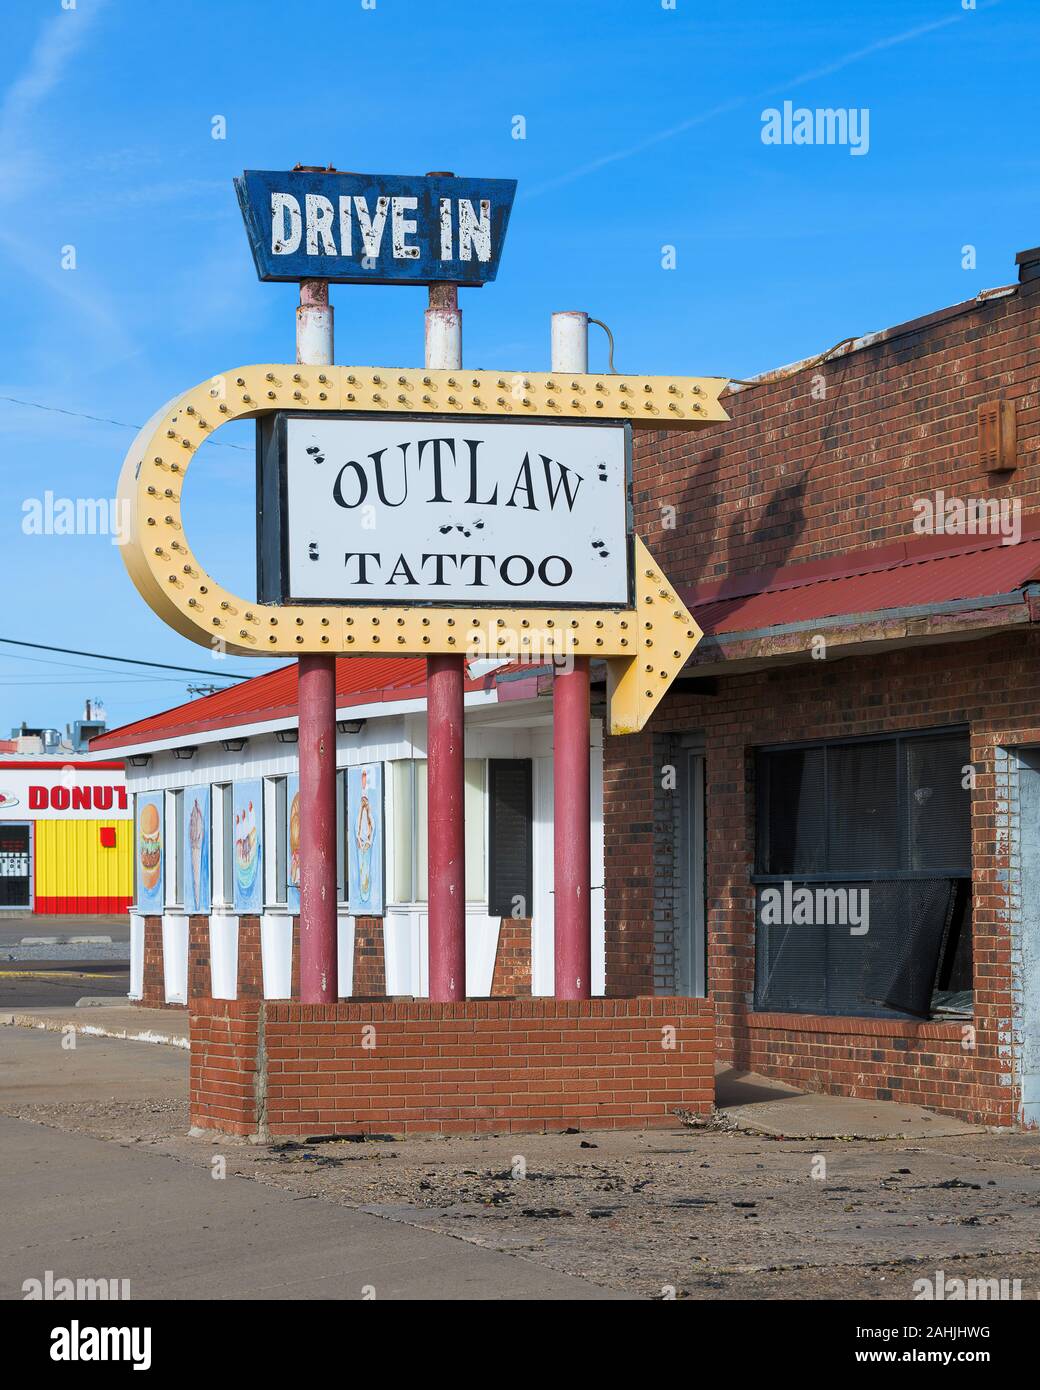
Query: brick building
(828, 835)
(862, 714)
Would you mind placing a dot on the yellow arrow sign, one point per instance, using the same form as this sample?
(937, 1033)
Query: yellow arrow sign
(646, 646)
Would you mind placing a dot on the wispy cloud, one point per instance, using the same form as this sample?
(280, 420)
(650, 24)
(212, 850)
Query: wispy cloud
(23, 168)
(59, 41)
(844, 61)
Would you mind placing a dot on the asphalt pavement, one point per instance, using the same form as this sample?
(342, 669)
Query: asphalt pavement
(53, 961)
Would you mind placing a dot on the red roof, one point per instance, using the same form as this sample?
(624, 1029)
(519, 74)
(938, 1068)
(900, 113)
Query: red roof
(909, 575)
(272, 696)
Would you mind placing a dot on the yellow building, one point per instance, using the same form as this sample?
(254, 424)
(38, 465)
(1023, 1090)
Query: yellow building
(66, 836)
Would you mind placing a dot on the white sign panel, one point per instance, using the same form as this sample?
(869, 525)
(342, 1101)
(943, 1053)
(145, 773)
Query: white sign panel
(469, 511)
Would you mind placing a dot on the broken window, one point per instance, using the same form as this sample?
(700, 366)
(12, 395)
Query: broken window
(863, 877)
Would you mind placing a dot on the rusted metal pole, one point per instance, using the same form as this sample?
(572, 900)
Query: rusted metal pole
(445, 736)
(316, 697)
(446, 846)
(572, 818)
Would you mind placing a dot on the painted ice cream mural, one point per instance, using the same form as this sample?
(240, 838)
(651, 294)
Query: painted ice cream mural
(365, 839)
(248, 846)
(197, 859)
(292, 858)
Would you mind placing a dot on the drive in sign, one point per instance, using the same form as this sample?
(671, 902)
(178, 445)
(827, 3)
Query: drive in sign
(375, 229)
(443, 510)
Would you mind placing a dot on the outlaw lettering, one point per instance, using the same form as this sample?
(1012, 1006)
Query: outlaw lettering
(541, 484)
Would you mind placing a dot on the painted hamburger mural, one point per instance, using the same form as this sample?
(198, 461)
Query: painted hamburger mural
(149, 853)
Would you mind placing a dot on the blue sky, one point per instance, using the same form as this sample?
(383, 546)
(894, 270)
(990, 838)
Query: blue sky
(643, 129)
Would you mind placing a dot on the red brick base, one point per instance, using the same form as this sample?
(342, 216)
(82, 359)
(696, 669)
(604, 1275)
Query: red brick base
(199, 975)
(260, 1069)
(949, 1067)
(250, 959)
(369, 957)
(512, 976)
(153, 977)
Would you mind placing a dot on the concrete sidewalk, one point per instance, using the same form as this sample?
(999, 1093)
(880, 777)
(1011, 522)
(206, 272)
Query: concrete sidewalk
(758, 1105)
(84, 1208)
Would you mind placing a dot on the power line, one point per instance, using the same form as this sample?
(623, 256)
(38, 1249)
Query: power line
(127, 660)
(103, 420)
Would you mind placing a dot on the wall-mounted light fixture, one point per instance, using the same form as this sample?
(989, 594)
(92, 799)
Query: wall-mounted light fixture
(350, 726)
(139, 759)
(184, 753)
(233, 745)
(288, 735)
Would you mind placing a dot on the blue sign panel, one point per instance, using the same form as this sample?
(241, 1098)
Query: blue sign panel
(375, 229)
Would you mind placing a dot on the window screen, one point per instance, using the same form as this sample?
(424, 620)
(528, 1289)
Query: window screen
(511, 853)
(863, 876)
(862, 808)
(938, 829)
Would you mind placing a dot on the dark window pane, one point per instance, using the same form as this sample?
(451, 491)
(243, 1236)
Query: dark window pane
(510, 836)
(791, 963)
(793, 812)
(829, 964)
(939, 806)
(862, 808)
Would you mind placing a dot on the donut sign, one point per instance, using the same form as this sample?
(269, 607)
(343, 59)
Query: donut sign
(69, 793)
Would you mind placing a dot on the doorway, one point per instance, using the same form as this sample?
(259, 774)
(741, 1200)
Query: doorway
(15, 864)
(690, 916)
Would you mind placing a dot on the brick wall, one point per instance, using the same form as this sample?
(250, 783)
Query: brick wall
(480, 1066)
(512, 973)
(153, 983)
(628, 828)
(226, 1066)
(990, 685)
(831, 458)
(250, 959)
(369, 957)
(199, 978)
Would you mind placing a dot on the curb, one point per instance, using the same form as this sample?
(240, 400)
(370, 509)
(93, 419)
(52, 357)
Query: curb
(146, 1035)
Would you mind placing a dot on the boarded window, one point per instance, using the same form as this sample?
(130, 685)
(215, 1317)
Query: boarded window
(509, 833)
(863, 876)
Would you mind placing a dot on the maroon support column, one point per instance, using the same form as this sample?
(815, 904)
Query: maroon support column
(446, 846)
(445, 725)
(317, 704)
(572, 833)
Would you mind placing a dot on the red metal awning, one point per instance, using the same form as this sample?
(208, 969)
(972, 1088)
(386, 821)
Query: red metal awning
(939, 582)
